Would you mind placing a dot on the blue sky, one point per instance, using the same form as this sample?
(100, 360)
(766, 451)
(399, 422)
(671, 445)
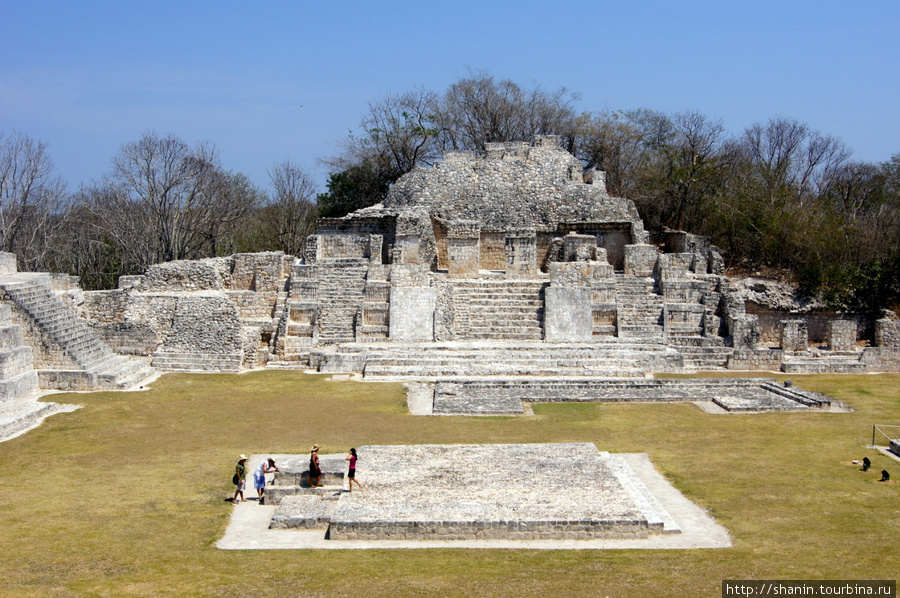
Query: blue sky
(287, 79)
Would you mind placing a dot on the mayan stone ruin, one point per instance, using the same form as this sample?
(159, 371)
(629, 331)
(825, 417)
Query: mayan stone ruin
(512, 264)
(414, 494)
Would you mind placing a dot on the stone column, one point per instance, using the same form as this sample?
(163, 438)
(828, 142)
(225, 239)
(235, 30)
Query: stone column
(567, 303)
(413, 301)
(794, 335)
(640, 260)
(463, 247)
(842, 335)
(521, 251)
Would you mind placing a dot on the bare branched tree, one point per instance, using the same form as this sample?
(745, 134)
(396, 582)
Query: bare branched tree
(479, 109)
(180, 194)
(32, 200)
(291, 215)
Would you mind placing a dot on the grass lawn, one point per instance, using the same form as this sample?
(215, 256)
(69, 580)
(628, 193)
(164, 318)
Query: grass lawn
(127, 496)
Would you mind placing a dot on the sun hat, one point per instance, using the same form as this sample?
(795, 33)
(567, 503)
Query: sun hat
(315, 447)
(243, 458)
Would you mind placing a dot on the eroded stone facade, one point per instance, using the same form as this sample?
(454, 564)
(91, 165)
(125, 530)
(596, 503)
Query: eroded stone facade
(518, 247)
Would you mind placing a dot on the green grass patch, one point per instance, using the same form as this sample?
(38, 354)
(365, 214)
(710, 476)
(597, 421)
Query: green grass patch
(127, 496)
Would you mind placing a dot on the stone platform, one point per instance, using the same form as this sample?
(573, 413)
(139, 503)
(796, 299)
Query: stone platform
(302, 521)
(499, 397)
(475, 492)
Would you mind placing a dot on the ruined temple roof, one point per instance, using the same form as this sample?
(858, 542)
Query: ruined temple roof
(512, 186)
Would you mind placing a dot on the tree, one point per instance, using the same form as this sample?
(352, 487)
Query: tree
(167, 201)
(611, 142)
(31, 199)
(358, 186)
(396, 135)
(290, 215)
(478, 109)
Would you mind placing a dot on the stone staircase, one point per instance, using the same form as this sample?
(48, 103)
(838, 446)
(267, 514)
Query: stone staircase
(504, 309)
(640, 308)
(76, 357)
(466, 360)
(342, 284)
(702, 353)
(171, 361)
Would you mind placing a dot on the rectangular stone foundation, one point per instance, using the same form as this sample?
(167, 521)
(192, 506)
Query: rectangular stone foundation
(491, 530)
(472, 492)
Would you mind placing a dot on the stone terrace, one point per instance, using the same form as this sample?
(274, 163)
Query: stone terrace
(731, 394)
(525, 492)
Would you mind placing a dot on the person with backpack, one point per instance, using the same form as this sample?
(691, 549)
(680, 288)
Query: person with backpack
(240, 474)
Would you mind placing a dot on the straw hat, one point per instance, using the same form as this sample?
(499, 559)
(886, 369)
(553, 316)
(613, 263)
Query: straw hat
(243, 458)
(315, 447)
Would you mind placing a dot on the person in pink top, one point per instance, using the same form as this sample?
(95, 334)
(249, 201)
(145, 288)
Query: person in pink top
(351, 474)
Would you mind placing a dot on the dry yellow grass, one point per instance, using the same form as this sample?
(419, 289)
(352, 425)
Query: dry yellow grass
(127, 496)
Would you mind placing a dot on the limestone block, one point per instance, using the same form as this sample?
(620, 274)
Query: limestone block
(412, 313)
(567, 314)
(744, 332)
(842, 335)
(463, 247)
(794, 335)
(127, 338)
(640, 260)
(7, 263)
(887, 332)
(410, 275)
(571, 274)
(184, 275)
(406, 250)
(256, 271)
(579, 248)
(521, 252)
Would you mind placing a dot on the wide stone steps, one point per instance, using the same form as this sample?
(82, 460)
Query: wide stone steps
(191, 362)
(467, 369)
(703, 358)
(342, 286)
(534, 360)
(59, 325)
(506, 310)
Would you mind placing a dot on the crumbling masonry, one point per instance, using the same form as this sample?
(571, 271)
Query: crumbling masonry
(512, 263)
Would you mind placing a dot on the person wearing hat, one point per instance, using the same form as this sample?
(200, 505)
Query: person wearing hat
(315, 472)
(240, 474)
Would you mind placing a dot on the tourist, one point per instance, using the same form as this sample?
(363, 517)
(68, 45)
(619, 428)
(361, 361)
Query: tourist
(240, 474)
(351, 474)
(259, 477)
(315, 472)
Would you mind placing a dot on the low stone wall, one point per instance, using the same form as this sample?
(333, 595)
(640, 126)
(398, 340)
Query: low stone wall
(492, 530)
(126, 338)
(756, 360)
(881, 359)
